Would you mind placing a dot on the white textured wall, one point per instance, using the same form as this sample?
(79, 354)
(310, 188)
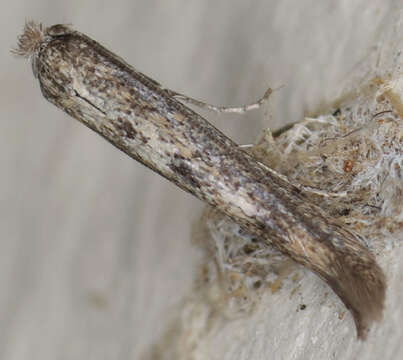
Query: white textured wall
(94, 248)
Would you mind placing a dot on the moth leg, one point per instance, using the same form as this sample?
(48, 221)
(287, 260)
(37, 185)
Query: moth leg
(222, 109)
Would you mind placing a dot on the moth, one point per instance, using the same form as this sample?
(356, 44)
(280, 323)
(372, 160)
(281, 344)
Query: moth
(151, 124)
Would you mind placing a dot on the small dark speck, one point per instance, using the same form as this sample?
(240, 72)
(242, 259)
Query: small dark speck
(257, 284)
(345, 211)
(248, 249)
(337, 112)
(302, 307)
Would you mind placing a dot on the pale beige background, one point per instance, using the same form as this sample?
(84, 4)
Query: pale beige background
(94, 248)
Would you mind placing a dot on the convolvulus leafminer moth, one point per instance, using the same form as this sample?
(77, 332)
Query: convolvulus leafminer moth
(150, 123)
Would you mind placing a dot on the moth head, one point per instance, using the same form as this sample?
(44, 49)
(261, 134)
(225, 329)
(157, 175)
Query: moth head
(30, 40)
(35, 37)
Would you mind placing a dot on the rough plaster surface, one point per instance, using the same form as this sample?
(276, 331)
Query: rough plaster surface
(95, 250)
